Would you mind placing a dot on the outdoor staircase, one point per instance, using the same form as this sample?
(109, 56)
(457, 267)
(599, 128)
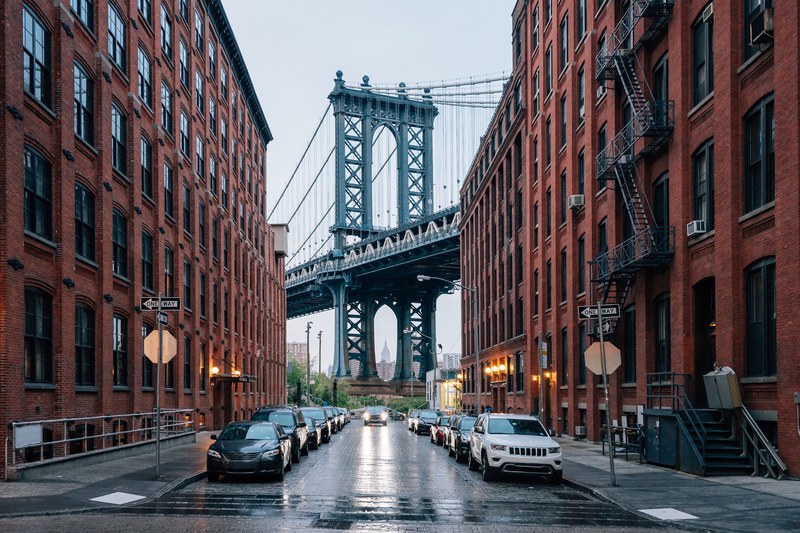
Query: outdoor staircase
(646, 133)
(723, 450)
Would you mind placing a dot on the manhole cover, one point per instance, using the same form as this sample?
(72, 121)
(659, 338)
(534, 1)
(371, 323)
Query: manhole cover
(324, 523)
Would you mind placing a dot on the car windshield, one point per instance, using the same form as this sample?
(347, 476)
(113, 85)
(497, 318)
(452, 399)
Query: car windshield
(281, 417)
(467, 422)
(429, 414)
(444, 421)
(314, 413)
(516, 426)
(253, 432)
(375, 409)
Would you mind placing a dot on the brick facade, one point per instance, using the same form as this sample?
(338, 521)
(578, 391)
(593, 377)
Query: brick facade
(250, 340)
(704, 285)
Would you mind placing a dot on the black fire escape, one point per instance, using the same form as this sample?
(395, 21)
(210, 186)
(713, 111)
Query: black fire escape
(645, 134)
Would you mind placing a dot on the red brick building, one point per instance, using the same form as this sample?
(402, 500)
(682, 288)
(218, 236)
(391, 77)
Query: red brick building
(720, 278)
(133, 144)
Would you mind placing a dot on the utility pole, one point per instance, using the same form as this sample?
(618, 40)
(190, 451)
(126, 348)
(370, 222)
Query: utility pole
(308, 363)
(319, 355)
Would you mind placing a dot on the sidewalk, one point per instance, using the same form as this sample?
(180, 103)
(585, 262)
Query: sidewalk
(108, 484)
(729, 503)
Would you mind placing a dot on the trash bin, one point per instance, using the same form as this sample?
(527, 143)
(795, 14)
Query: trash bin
(722, 389)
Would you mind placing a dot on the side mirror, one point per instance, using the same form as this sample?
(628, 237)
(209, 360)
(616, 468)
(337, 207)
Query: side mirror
(477, 430)
(285, 437)
(301, 424)
(213, 437)
(551, 432)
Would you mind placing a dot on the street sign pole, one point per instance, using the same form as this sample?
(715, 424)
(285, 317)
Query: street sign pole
(605, 391)
(158, 393)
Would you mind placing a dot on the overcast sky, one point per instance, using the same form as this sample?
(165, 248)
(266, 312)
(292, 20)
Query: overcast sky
(293, 49)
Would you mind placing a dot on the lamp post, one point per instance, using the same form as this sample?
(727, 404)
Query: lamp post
(474, 292)
(319, 355)
(308, 363)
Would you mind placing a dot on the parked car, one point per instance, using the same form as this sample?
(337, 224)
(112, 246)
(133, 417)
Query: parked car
(346, 413)
(249, 447)
(339, 417)
(412, 415)
(458, 436)
(438, 429)
(293, 424)
(500, 444)
(424, 420)
(320, 419)
(314, 433)
(332, 419)
(375, 414)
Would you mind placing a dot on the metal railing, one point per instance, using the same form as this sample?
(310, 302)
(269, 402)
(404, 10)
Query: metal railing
(648, 247)
(40, 441)
(763, 452)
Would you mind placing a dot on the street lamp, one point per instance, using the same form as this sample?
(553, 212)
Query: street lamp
(474, 292)
(308, 362)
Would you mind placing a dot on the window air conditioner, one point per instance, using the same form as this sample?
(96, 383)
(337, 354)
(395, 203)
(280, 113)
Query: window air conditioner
(576, 201)
(762, 28)
(695, 228)
(580, 431)
(601, 91)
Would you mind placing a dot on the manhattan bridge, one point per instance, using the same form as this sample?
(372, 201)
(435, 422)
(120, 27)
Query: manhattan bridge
(373, 202)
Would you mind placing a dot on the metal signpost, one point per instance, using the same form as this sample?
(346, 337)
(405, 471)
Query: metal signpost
(599, 313)
(160, 354)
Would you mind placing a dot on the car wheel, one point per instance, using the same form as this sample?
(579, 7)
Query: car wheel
(472, 464)
(295, 455)
(304, 449)
(556, 476)
(212, 477)
(314, 445)
(450, 452)
(288, 467)
(487, 472)
(280, 473)
(460, 458)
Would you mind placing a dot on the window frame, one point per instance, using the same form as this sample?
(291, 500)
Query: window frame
(759, 190)
(84, 222)
(119, 338)
(702, 57)
(761, 302)
(148, 251)
(38, 194)
(119, 239)
(703, 189)
(38, 336)
(117, 38)
(119, 140)
(84, 346)
(83, 103)
(37, 62)
(169, 190)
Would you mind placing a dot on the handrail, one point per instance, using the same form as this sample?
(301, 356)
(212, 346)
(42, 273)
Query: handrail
(760, 444)
(646, 243)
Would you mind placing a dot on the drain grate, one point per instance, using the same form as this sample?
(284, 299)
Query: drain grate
(326, 523)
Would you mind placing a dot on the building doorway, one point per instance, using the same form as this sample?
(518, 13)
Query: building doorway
(705, 326)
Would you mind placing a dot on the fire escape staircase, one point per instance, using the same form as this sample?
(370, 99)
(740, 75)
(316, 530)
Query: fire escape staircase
(646, 133)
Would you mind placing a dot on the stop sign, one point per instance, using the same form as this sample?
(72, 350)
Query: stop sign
(151, 347)
(595, 363)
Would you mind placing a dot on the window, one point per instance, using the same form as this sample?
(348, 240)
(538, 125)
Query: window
(548, 11)
(146, 165)
(198, 30)
(563, 42)
(198, 92)
(703, 57)
(549, 286)
(759, 153)
(225, 315)
(187, 208)
(535, 225)
(761, 324)
(184, 63)
(84, 346)
(203, 368)
(212, 114)
(601, 143)
(212, 174)
(582, 94)
(564, 120)
(223, 133)
(119, 238)
(753, 9)
(563, 371)
(212, 58)
(38, 194)
(661, 90)
(146, 10)
(536, 292)
(199, 152)
(84, 222)
(224, 190)
(201, 223)
(119, 144)
(661, 202)
(119, 336)
(185, 133)
(166, 32)
(629, 344)
(214, 239)
(169, 271)
(535, 160)
(187, 284)
(187, 364)
(563, 284)
(38, 336)
(581, 350)
(601, 46)
(548, 212)
(84, 10)
(166, 107)
(185, 10)
(562, 201)
(581, 171)
(169, 375)
(602, 248)
(223, 82)
(147, 366)
(581, 281)
(581, 22)
(548, 145)
(662, 334)
(35, 57)
(83, 104)
(169, 190)
(535, 26)
(214, 302)
(548, 74)
(147, 261)
(202, 295)
(116, 38)
(703, 181)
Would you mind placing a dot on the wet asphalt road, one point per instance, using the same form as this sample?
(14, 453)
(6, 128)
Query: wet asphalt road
(368, 479)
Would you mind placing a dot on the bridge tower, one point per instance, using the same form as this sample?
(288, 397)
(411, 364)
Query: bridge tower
(359, 113)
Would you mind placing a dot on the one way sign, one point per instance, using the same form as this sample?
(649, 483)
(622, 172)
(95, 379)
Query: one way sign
(169, 303)
(606, 311)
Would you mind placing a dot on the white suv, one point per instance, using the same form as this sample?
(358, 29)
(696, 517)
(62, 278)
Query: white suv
(513, 444)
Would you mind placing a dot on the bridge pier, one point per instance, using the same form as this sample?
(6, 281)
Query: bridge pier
(338, 289)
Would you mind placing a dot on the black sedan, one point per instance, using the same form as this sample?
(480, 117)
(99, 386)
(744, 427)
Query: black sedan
(375, 414)
(247, 447)
(426, 419)
(320, 419)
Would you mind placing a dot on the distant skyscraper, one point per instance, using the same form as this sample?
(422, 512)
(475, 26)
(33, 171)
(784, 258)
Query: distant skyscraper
(451, 361)
(386, 355)
(385, 365)
(297, 351)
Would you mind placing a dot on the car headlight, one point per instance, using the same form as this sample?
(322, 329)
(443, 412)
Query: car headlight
(271, 453)
(498, 447)
(383, 416)
(215, 454)
(554, 450)
(366, 415)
